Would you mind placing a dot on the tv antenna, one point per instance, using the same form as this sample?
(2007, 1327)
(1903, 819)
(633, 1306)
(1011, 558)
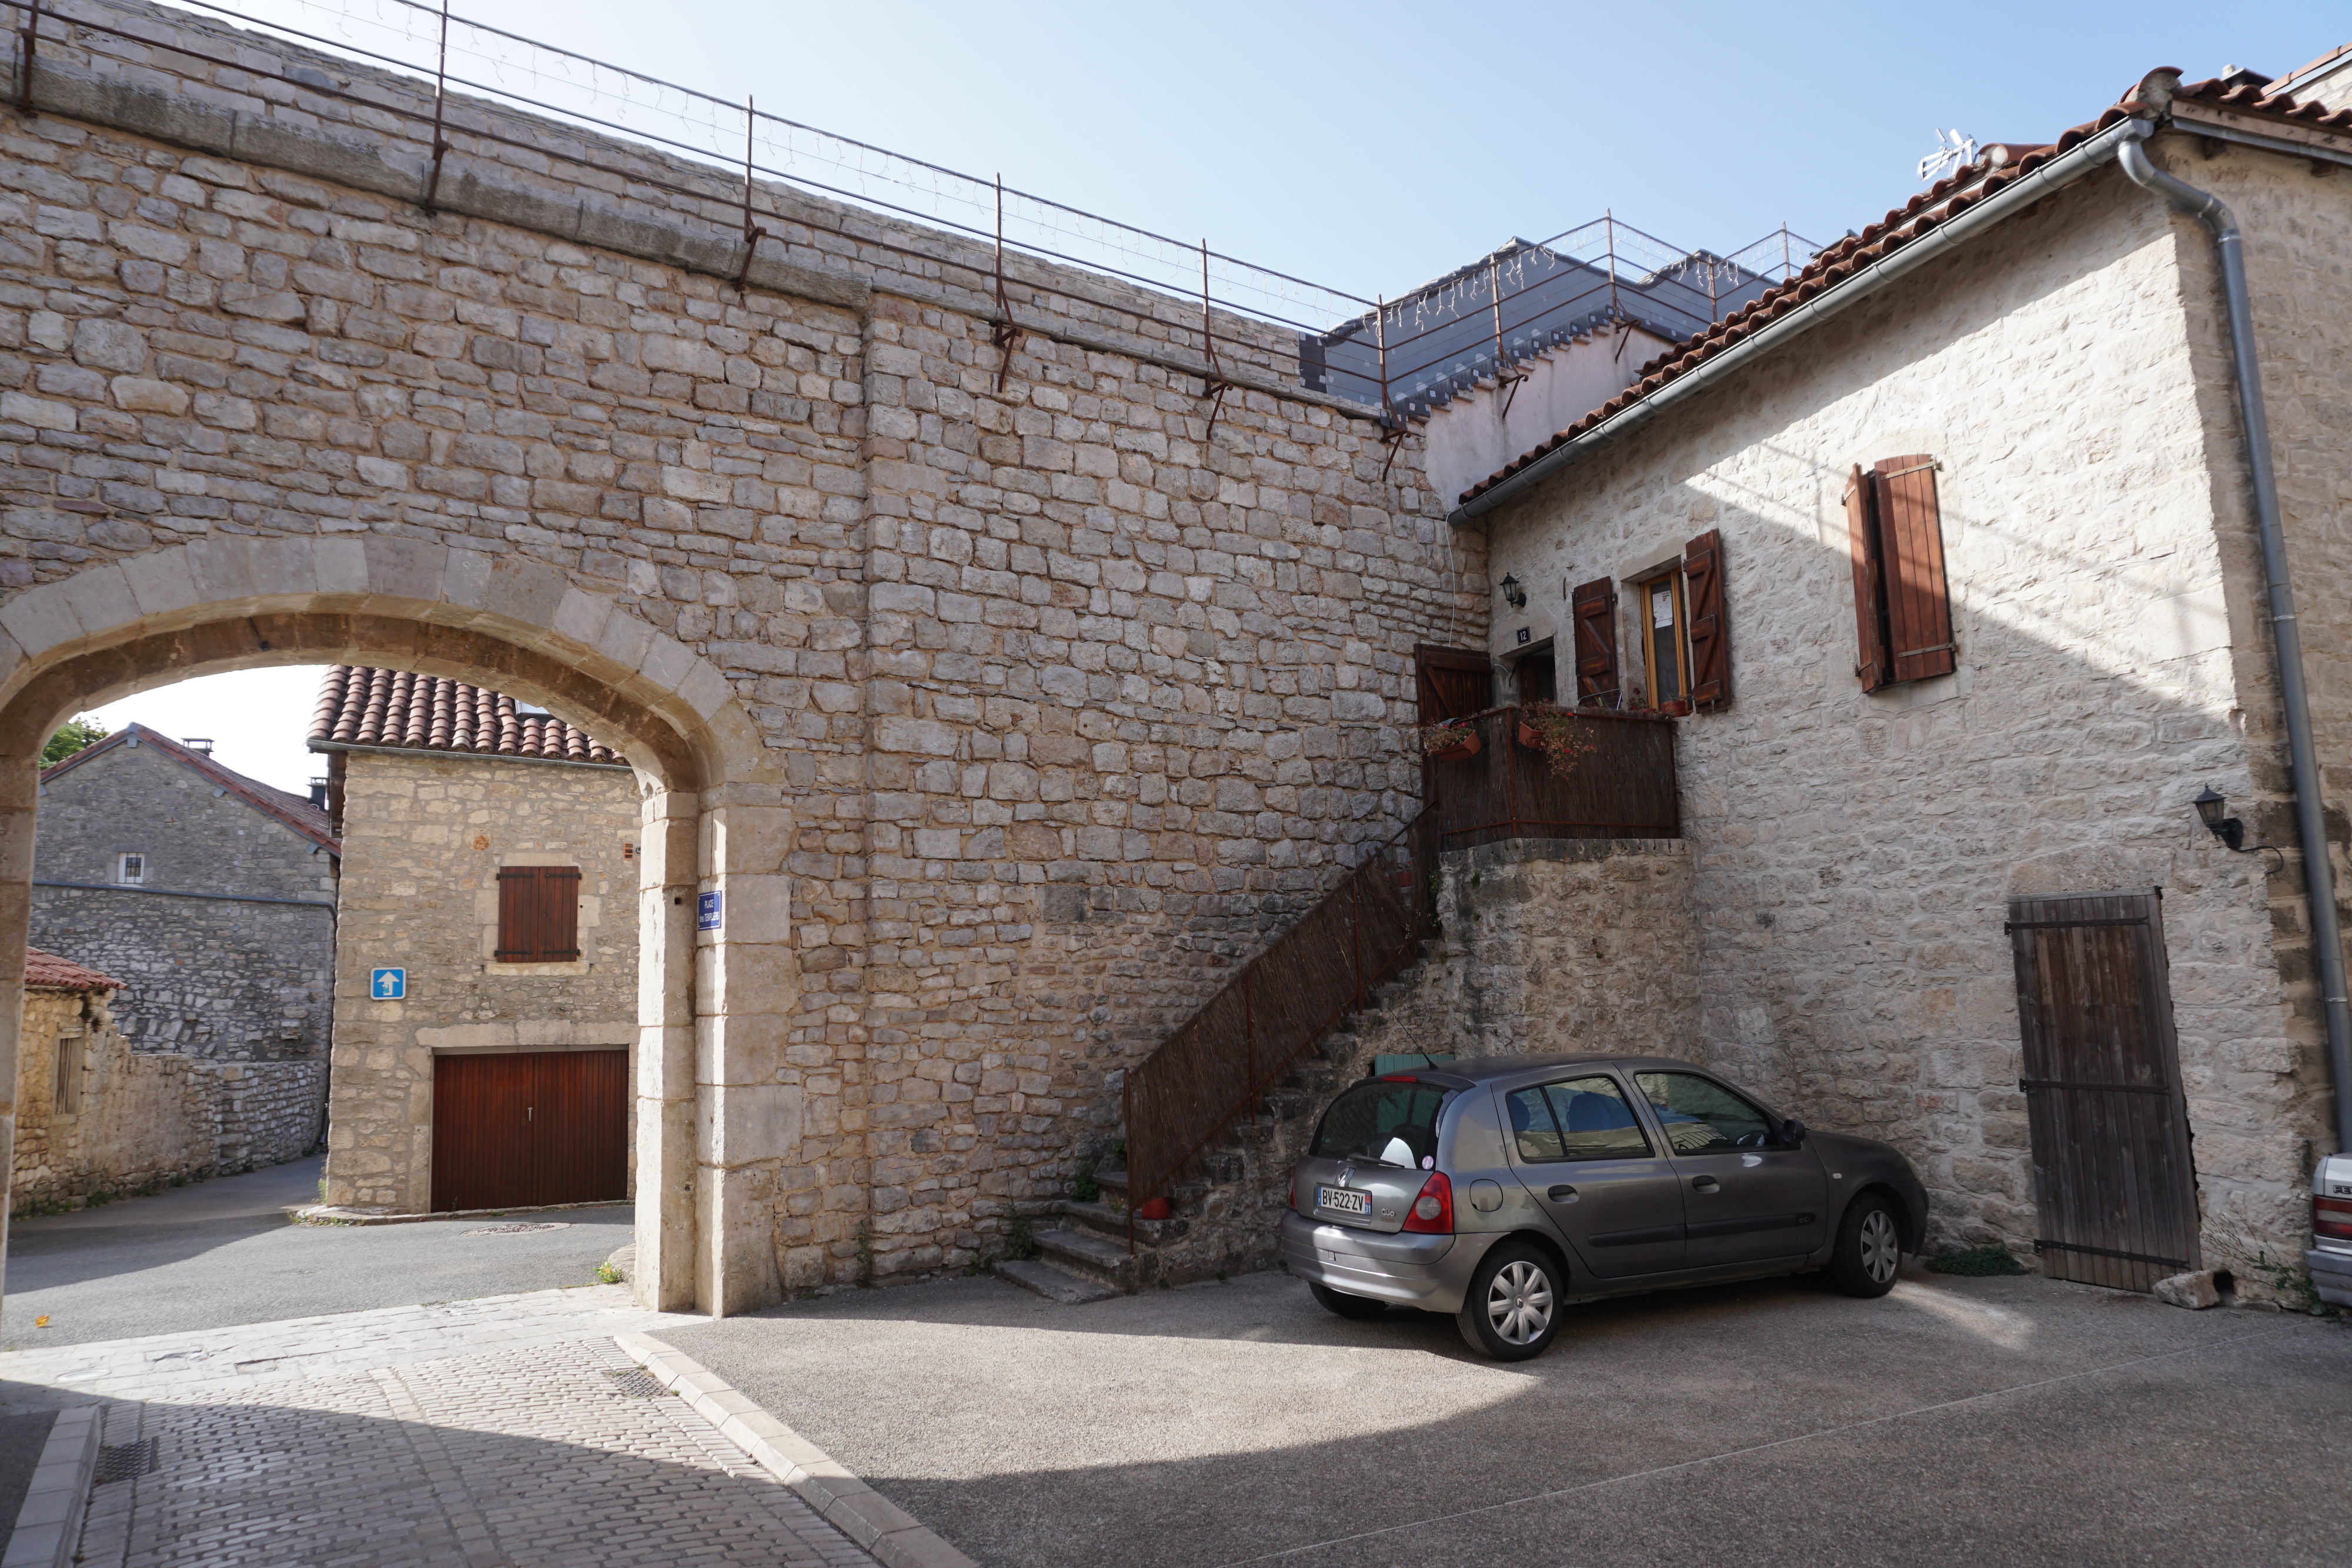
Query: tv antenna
(1952, 150)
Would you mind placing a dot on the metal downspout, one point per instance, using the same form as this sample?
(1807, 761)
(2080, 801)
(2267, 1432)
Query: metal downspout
(2311, 827)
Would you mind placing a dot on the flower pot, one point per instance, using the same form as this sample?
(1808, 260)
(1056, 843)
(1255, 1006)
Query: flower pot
(1675, 709)
(1157, 1208)
(1467, 746)
(1527, 736)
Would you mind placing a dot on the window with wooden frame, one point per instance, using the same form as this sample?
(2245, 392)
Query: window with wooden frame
(1658, 601)
(539, 913)
(1902, 601)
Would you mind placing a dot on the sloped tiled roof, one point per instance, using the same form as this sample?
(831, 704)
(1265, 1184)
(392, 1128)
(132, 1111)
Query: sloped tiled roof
(48, 972)
(294, 811)
(2000, 166)
(408, 712)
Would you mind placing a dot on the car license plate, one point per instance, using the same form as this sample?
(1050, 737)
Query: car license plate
(1343, 1200)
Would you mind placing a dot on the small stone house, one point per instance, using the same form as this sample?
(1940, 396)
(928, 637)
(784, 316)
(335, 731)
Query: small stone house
(488, 959)
(95, 1115)
(210, 897)
(1948, 561)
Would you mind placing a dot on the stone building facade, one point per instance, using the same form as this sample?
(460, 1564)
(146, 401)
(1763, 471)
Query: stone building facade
(209, 894)
(1854, 852)
(437, 786)
(93, 1115)
(1002, 711)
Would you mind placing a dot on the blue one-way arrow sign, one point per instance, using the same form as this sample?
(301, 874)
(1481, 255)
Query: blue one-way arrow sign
(388, 985)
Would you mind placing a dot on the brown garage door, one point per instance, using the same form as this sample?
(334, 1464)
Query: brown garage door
(516, 1130)
(2112, 1173)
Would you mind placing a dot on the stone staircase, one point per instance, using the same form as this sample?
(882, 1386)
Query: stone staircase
(1224, 1216)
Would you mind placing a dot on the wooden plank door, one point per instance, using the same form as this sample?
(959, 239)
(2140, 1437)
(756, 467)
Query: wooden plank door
(1452, 682)
(524, 1129)
(481, 1132)
(2113, 1176)
(581, 1150)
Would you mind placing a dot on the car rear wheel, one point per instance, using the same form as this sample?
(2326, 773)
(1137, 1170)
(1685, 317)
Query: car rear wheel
(1345, 1305)
(1869, 1251)
(1512, 1309)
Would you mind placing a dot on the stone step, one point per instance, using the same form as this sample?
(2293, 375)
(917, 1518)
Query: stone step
(1088, 1256)
(1111, 1223)
(1054, 1284)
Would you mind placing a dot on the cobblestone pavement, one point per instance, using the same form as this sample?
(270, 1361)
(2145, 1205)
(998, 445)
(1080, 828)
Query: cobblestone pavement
(507, 1432)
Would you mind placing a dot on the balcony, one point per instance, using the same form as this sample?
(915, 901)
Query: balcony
(1621, 786)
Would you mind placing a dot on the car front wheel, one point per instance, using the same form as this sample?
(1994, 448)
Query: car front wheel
(1512, 1309)
(1345, 1305)
(1869, 1251)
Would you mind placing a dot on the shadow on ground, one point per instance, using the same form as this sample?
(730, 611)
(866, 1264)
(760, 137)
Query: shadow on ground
(1962, 1420)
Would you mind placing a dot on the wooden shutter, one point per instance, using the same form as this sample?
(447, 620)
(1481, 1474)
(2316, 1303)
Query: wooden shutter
(539, 913)
(1452, 682)
(1869, 613)
(1710, 634)
(1911, 544)
(1594, 608)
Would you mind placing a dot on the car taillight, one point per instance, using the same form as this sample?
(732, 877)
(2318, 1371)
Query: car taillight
(1433, 1211)
(2332, 1218)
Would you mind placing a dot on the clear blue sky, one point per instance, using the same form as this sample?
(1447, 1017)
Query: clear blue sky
(1374, 146)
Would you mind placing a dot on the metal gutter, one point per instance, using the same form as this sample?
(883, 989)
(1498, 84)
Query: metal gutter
(2302, 756)
(2064, 170)
(175, 893)
(431, 753)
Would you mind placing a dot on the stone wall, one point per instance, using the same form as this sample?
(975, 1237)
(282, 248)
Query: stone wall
(131, 1119)
(423, 837)
(1854, 853)
(1078, 701)
(234, 980)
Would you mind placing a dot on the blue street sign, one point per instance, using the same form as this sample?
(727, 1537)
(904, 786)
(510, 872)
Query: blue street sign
(706, 912)
(388, 985)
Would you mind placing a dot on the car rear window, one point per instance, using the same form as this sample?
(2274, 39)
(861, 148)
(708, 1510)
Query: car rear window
(1384, 1123)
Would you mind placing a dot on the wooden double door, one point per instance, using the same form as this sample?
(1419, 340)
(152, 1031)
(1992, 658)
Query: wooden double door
(2113, 1177)
(523, 1129)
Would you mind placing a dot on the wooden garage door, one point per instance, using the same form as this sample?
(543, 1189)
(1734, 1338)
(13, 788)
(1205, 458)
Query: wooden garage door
(515, 1130)
(2112, 1172)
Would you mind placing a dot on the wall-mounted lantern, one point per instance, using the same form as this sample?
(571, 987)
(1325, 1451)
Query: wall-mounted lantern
(1515, 595)
(2209, 809)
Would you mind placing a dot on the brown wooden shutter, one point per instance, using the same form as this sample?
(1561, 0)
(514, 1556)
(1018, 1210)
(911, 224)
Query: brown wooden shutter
(1710, 634)
(1594, 608)
(1911, 545)
(539, 913)
(1452, 682)
(1869, 613)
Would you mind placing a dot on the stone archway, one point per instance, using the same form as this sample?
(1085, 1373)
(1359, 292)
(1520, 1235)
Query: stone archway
(713, 1122)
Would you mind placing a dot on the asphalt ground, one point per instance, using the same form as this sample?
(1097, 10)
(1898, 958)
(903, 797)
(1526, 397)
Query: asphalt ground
(1986, 1421)
(222, 1252)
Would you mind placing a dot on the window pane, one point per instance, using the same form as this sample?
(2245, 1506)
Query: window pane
(1386, 1124)
(1532, 1128)
(1596, 1123)
(1700, 1116)
(1666, 641)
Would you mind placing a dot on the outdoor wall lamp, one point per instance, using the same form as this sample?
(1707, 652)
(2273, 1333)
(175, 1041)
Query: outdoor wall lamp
(1513, 594)
(2209, 807)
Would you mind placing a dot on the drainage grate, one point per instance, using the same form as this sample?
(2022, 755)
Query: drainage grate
(635, 1384)
(125, 1461)
(519, 1229)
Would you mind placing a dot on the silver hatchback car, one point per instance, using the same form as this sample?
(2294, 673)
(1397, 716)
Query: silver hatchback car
(1502, 1190)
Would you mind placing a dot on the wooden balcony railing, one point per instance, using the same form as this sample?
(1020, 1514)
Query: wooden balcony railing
(1373, 925)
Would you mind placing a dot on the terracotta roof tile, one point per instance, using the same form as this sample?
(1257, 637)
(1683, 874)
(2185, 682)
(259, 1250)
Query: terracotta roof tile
(295, 810)
(2000, 165)
(406, 712)
(48, 972)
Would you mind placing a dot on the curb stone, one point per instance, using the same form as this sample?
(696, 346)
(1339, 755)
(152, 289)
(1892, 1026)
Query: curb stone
(848, 1504)
(48, 1527)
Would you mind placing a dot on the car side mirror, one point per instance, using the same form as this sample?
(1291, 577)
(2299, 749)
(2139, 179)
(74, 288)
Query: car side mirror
(1792, 1132)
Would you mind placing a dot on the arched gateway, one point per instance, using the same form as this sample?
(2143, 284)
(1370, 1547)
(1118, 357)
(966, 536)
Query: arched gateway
(714, 1122)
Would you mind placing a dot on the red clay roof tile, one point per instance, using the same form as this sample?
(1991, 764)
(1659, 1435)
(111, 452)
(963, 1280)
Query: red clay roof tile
(48, 972)
(358, 705)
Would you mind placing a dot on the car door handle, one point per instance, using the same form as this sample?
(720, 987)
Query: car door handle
(1562, 1195)
(1704, 1184)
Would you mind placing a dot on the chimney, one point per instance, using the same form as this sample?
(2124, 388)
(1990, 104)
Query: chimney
(319, 792)
(197, 743)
